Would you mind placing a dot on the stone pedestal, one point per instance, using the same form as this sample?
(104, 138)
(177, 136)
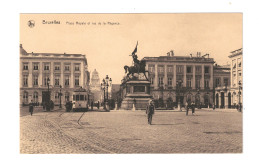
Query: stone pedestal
(136, 93)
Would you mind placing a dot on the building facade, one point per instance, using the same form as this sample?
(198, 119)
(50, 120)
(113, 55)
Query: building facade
(221, 85)
(231, 96)
(181, 79)
(66, 72)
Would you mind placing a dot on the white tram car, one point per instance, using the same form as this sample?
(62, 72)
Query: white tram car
(80, 100)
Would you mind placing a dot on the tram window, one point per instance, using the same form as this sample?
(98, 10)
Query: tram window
(77, 97)
(74, 97)
(81, 97)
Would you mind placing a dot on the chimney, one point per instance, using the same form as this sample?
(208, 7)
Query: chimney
(190, 55)
(168, 54)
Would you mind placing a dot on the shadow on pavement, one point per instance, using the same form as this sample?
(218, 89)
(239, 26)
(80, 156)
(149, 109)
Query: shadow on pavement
(168, 124)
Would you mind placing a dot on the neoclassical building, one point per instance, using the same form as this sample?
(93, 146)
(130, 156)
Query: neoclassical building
(66, 72)
(95, 87)
(231, 96)
(181, 78)
(221, 84)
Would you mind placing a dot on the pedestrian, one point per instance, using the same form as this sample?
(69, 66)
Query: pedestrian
(187, 108)
(150, 111)
(67, 106)
(31, 107)
(92, 104)
(98, 104)
(70, 105)
(193, 107)
(51, 104)
(43, 105)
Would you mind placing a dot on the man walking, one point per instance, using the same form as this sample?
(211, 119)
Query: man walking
(150, 111)
(31, 107)
(193, 107)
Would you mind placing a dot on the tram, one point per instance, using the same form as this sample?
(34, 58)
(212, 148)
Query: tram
(80, 100)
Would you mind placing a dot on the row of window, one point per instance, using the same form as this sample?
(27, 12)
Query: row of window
(179, 69)
(188, 82)
(45, 80)
(46, 66)
(218, 82)
(235, 80)
(35, 96)
(234, 63)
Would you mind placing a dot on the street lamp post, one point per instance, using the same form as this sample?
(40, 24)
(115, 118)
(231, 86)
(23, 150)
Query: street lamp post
(103, 88)
(179, 83)
(197, 103)
(104, 85)
(239, 94)
(48, 100)
(214, 98)
(60, 94)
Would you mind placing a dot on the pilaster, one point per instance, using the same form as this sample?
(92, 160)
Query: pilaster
(184, 75)
(174, 76)
(211, 77)
(165, 77)
(30, 76)
(226, 100)
(202, 77)
(193, 77)
(156, 76)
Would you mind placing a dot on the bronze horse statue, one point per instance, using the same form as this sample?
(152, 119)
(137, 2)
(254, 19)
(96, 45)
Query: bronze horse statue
(139, 68)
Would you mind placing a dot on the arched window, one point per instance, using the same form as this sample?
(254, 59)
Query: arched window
(35, 97)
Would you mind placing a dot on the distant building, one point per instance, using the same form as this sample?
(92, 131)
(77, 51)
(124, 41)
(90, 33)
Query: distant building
(181, 78)
(68, 71)
(231, 96)
(221, 84)
(95, 87)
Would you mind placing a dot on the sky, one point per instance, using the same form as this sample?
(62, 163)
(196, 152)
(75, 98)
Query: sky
(107, 46)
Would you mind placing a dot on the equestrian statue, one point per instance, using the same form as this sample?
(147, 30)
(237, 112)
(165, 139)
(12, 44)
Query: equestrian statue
(138, 67)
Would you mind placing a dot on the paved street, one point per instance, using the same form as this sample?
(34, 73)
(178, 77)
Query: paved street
(128, 132)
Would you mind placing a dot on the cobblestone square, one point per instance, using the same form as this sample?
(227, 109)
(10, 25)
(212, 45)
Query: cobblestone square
(61, 132)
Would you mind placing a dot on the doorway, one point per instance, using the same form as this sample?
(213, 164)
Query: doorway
(45, 97)
(229, 100)
(222, 100)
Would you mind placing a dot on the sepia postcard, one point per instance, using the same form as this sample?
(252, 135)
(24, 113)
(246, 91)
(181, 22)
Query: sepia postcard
(150, 83)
